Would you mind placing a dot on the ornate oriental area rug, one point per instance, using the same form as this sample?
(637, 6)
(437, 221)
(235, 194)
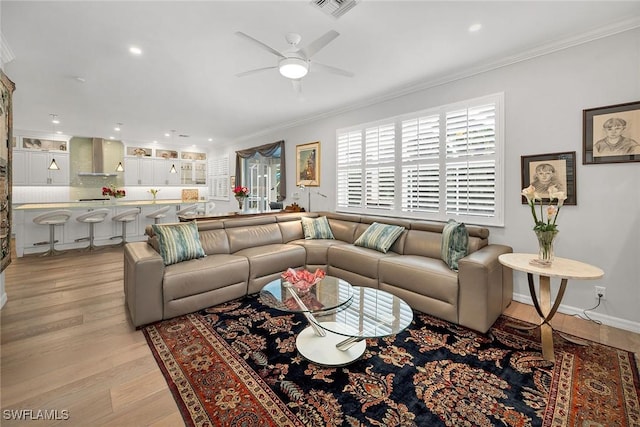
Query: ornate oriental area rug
(236, 365)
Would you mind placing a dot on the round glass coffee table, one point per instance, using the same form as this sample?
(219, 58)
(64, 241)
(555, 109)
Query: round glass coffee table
(372, 313)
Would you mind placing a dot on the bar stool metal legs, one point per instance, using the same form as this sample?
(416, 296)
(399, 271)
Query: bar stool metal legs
(124, 218)
(52, 218)
(92, 217)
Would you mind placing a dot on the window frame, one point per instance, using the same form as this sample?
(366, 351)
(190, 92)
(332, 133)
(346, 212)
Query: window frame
(442, 160)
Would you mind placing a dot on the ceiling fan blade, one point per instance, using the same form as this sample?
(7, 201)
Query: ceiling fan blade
(297, 85)
(330, 69)
(259, 43)
(319, 43)
(257, 70)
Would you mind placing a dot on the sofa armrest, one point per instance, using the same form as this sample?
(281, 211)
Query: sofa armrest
(485, 287)
(143, 273)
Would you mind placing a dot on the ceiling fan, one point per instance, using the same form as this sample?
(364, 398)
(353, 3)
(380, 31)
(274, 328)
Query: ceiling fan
(294, 63)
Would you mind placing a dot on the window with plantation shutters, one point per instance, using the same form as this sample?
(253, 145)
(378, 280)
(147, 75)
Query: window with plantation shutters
(441, 163)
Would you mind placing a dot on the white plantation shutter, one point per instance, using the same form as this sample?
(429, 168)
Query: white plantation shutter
(219, 186)
(380, 167)
(349, 171)
(420, 141)
(433, 164)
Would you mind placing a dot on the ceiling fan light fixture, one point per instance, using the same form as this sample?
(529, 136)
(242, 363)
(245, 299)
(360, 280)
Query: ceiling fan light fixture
(293, 68)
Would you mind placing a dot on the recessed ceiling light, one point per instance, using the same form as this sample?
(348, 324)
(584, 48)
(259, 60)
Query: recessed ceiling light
(167, 135)
(54, 119)
(59, 132)
(210, 139)
(135, 50)
(474, 28)
(155, 142)
(117, 128)
(111, 137)
(80, 79)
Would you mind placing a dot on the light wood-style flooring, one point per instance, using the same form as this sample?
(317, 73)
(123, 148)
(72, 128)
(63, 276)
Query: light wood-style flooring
(66, 344)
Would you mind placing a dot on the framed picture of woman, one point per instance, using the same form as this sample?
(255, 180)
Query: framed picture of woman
(308, 164)
(546, 170)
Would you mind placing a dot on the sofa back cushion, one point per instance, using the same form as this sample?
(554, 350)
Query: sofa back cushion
(215, 242)
(343, 230)
(291, 230)
(251, 236)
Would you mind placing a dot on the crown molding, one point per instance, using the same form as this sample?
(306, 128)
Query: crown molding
(546, 49)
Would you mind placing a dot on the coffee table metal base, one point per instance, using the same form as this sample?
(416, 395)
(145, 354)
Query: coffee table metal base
(323, 351)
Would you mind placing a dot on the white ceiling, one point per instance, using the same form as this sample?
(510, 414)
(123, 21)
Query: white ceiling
(185, 78)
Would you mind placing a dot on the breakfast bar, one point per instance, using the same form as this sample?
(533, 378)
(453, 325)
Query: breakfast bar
(30, 237)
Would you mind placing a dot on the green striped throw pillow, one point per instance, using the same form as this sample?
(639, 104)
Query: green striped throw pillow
(178, 242)
(455, 241)
(379, 236)
(316, 228)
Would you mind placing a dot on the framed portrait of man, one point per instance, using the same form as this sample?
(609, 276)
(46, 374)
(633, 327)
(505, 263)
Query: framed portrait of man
(611, 134)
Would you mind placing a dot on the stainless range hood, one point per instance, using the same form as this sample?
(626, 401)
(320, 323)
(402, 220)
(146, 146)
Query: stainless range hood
(97, 160)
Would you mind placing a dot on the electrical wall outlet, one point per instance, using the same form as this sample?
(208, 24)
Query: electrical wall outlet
(600, 292)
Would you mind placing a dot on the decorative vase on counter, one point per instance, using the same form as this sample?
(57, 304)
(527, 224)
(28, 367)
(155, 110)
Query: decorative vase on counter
(545, 246)
(240, 200)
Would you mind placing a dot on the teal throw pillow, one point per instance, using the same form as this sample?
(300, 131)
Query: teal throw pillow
(316, 228)
(379, 236)
(178, 242)
(455, 241)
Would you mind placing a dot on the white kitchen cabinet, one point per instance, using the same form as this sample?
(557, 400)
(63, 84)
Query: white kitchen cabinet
(138, 171)
(193, 172)
(35, 165)
(162, 172)
(19, 168)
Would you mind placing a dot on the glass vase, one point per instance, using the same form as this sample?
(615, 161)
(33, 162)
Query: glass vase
(545, 246)
(240, 200)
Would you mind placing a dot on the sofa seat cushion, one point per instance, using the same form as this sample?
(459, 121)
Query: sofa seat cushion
(202, 275)
(274, 258)
(356, 259)
(425, 276)
(318, 249)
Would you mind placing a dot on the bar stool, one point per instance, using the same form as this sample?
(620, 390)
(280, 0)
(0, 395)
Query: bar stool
(125, 217)
(158, 214)
(92, 218)
(188, 210)
(52, 218)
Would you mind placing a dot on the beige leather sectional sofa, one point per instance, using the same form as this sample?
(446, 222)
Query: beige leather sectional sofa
(244, 254)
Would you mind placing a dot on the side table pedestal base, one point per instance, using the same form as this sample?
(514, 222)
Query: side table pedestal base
(323, 351)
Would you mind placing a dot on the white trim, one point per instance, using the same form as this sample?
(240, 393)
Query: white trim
(615, 322)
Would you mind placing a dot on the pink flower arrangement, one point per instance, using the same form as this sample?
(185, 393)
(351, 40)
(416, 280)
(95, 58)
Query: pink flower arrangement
(241, 191)
(303, 280)
(112, 192)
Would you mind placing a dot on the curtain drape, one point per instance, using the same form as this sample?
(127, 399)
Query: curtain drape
(266, 150)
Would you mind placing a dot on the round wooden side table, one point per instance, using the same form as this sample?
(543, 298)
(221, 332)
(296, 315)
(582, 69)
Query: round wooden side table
(561, 268)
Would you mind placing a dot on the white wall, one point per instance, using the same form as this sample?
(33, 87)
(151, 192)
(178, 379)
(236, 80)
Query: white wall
(544, 99)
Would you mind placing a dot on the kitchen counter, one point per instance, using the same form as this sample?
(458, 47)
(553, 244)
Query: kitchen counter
(100, 204)
(30, 236)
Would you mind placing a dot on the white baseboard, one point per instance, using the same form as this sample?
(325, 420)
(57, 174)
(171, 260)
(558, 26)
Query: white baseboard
(616, 322)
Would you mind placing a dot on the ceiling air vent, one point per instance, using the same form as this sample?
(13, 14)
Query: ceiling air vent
(335, 8)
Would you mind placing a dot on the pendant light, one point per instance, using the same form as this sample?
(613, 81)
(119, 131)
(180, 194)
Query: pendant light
(53, 166)
(118, 128)
(173, 140)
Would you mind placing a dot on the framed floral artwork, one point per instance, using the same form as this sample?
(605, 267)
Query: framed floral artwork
(308, 164)
(546, 170)
(6, 129)
(611, 134)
